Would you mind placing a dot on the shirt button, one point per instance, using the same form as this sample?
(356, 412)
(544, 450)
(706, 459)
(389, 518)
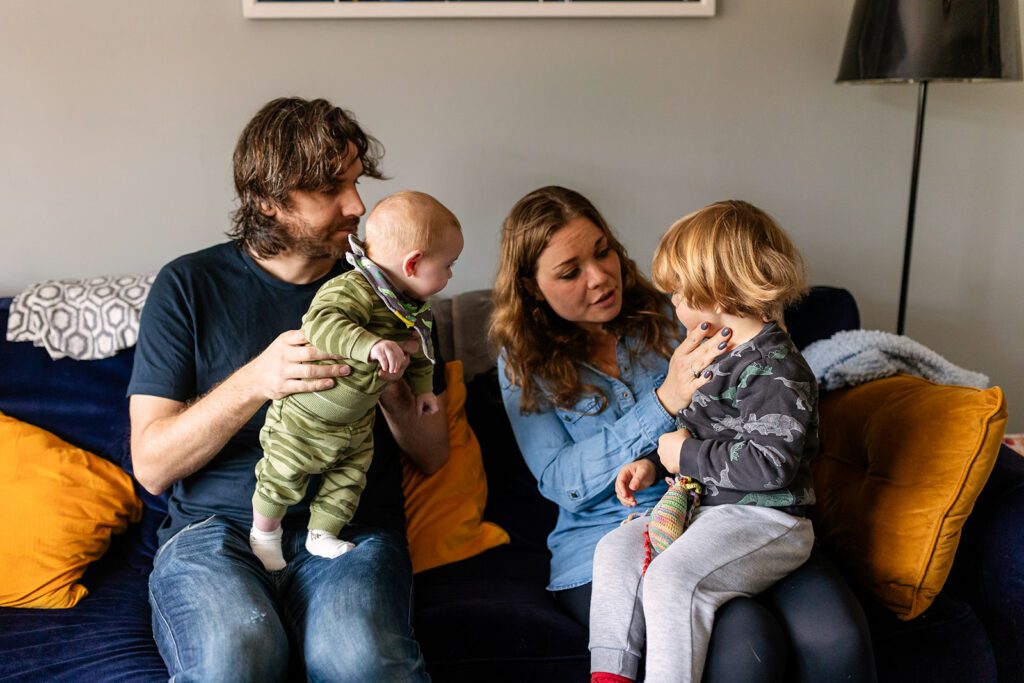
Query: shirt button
(566, 418)
(625, 394)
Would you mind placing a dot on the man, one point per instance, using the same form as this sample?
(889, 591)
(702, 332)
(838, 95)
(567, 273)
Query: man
(217, 342)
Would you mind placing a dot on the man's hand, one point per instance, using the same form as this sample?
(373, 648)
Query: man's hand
(633, 477)
(284, 367)
(427, 404)
(423, 438)
(392, 358)
(669, 446)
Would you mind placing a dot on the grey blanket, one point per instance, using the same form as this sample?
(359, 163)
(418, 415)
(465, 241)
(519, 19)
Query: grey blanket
(858, 356)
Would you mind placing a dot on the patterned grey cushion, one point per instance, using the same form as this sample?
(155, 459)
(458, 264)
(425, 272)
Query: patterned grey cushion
(82, 319)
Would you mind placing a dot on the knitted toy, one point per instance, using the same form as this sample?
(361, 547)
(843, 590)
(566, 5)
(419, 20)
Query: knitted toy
(670, 517)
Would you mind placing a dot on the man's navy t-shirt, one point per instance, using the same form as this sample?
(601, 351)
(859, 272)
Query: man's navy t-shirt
(208, 314)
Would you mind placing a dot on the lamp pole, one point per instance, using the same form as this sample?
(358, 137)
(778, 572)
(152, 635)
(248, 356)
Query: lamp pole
(922, 100)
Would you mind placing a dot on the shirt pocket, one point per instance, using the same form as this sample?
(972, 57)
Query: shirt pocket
(584, 418)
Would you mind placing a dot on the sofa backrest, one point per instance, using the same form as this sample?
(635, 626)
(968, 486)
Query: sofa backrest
(462, 324)
(513, 500)
(84, 402)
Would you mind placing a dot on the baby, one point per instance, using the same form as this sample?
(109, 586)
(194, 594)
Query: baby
(747, 437)
(412, 241)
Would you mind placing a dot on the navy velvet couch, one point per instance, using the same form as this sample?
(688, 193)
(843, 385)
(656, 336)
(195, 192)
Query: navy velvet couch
(487, 618)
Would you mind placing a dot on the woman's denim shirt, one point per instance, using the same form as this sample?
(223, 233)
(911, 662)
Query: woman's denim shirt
(576, 453)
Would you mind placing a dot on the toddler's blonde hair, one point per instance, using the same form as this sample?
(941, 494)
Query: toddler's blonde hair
(408, 220)
(732, 256)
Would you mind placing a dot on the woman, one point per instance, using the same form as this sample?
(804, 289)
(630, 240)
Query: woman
(590, 382)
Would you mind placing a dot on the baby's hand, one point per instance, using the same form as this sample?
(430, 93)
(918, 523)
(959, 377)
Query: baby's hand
(633, 477)
(392, 357)
(669, 446)
(427, 404)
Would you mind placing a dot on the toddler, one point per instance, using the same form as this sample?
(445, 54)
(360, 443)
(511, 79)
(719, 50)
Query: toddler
(412, 241)
(746, 438)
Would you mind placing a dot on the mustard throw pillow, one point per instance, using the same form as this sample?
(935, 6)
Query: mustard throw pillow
(902, 462)
(60, 505)
(444, 510)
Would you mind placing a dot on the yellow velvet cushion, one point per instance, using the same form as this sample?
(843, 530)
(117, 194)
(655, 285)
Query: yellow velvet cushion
(902, 461)
(444, 510)
(59, 506)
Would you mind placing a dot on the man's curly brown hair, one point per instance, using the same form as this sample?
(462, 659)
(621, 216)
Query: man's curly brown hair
(292, 144)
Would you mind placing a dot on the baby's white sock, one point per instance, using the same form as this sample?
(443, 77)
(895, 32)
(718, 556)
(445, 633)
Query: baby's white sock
(323, 544)
(266, 545)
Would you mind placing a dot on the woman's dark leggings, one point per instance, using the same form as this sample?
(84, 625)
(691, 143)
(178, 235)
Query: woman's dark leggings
(808, 627)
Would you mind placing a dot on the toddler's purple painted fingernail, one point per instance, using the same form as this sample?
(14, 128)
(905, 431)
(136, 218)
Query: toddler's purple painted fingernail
(721, 347)
(726, 331)
(707, 375)
(703, 326)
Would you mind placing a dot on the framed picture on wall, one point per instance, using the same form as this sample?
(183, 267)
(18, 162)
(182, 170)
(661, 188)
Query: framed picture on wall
(406, 9)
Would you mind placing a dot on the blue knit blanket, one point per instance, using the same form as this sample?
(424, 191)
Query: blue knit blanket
(858, 356)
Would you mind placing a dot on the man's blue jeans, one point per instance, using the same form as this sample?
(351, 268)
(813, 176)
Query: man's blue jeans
(218, 615)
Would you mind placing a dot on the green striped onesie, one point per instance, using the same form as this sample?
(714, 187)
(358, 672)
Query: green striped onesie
(331, 432)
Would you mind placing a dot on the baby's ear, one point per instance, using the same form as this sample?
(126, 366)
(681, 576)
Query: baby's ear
(411, 262)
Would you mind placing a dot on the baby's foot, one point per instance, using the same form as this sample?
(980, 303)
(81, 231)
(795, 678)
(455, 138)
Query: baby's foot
(323, 544)
(266, 545)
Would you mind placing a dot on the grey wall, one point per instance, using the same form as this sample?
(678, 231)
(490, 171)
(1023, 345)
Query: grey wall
(117, 122)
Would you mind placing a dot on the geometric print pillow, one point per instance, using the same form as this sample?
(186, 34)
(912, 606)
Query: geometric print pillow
(85, 319)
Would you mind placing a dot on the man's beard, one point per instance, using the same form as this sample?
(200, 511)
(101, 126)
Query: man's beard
(300, 239)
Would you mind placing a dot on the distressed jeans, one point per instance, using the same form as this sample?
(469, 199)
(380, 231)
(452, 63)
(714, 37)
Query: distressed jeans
(218, 615)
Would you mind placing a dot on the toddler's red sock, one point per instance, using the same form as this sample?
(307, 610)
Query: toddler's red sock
(603, 677)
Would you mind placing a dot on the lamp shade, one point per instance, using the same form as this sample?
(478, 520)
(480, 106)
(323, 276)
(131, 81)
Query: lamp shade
(932, 40)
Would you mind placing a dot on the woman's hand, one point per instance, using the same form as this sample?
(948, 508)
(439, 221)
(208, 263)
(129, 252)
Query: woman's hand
(669, 446)
(687, 369)
(633, 477)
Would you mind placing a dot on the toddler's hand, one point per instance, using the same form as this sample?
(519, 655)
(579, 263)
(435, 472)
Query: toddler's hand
(392, 357)
(633, 477)
(669, 446)
(427, 404)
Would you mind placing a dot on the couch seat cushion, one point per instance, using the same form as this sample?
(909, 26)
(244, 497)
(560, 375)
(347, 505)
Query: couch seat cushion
(105, 637)
(491, 616)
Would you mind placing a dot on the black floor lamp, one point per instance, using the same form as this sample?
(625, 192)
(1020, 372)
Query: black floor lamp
(918, 41)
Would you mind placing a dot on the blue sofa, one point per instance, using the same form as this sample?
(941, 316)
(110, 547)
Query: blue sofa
(487, 618)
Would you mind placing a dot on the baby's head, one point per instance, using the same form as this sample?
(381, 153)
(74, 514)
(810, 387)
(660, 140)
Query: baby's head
(416, 240)
(733, 258)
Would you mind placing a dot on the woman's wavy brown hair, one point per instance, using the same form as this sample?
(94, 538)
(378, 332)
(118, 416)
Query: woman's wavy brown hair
(540, 347)
(292, 144)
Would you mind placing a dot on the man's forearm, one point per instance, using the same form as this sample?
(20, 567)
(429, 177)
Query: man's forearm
(424, 439)
(171, 440)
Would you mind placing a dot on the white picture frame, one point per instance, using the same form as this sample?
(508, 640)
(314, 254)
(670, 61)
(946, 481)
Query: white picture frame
(409, 9)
